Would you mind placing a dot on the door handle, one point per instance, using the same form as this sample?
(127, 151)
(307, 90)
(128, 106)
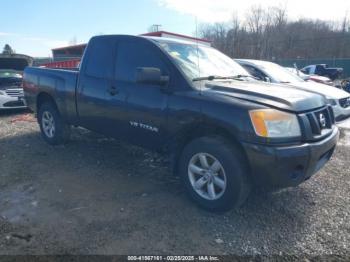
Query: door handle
(113, 91)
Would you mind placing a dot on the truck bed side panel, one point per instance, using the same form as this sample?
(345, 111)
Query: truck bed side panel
(60, 85)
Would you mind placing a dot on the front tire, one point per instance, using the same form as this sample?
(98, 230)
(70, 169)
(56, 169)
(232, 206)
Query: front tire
(215, 174)
(53, 128)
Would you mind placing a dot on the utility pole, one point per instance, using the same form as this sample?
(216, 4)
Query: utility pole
(156, 27)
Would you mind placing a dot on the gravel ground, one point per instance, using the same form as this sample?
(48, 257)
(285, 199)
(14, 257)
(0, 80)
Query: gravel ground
(100, 196)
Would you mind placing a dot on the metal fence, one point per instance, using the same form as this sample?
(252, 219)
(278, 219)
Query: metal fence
(338, 62)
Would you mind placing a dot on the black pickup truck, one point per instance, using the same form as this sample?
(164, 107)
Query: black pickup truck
(323, 70)
(225, 132)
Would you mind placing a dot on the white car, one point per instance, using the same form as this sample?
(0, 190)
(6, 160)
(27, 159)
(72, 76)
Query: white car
(274, 73)
(11, 90)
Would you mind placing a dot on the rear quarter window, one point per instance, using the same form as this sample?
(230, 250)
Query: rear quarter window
(100, 58)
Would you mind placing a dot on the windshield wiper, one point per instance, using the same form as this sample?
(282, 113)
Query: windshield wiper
(239, 76)
(211, 78)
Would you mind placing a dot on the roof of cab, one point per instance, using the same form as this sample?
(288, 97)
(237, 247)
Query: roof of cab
(154, 39)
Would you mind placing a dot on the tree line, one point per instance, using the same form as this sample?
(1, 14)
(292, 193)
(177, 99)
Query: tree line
(268, 34)
(7, 50)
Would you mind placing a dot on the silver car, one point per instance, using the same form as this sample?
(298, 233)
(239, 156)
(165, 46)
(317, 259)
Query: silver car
(274, 73)
(11, 91)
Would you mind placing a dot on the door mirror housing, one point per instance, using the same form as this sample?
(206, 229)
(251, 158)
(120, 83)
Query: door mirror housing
(150, 76)
(267, 79)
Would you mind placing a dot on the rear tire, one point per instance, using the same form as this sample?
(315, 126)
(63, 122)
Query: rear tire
(53, 128)
(215, 174)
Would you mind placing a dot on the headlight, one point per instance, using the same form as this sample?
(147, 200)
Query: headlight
(274, 124)
(2, 93)
(331, 101)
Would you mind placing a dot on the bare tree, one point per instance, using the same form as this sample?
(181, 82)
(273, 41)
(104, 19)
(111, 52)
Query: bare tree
(266, 33)
(233, 35)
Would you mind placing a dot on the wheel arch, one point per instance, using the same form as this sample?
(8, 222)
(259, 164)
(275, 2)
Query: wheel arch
(44, 97)
(199, 130)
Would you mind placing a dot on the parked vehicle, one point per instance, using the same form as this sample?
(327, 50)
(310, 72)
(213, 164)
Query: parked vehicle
(274, 73)
(345, 85)
(323, 70)
(11, 91)
(224, 134)
(314, 78)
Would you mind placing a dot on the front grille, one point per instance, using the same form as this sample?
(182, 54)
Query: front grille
(317, 124)
(14, 92)
(319, 120)
(345, 102)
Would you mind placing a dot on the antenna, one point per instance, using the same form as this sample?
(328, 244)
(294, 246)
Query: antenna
(198, 65)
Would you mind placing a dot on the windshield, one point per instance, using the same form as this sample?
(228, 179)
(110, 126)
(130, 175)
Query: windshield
(9, 74)
(200, 61)
(279, 73)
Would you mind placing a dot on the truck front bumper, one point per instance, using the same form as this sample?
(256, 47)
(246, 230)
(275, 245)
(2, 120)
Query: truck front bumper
(281, 167)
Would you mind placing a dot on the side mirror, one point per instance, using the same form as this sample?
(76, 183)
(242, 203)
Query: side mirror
(267, 79)
(150, 76)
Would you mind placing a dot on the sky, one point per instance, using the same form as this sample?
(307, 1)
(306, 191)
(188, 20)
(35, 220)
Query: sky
(34, 27)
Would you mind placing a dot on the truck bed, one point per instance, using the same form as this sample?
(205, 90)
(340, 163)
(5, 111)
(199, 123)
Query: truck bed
(55, 82)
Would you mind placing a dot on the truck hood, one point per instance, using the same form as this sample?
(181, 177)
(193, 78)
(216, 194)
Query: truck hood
(272, 95)
(322, 89)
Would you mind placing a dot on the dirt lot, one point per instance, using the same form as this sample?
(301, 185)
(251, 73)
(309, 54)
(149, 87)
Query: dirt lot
(100, 196)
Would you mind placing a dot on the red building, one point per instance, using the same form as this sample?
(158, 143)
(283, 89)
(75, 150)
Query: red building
(66, 57)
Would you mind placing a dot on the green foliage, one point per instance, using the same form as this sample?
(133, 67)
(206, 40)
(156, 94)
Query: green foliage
(8, 50)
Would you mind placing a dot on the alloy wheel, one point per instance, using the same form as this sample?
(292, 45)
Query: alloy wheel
(207, 176)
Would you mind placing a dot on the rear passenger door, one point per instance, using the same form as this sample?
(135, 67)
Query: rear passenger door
(99, 106)
(146, 104)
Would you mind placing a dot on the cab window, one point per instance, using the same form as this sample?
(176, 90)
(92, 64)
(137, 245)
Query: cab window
(100, 59)
(134, 54)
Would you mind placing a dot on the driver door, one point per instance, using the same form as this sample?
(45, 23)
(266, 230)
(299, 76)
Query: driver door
(146, 105)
